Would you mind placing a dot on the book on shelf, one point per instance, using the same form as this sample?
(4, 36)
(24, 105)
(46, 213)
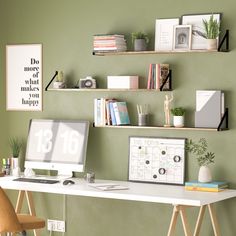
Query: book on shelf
(157, 75)
(110, 112)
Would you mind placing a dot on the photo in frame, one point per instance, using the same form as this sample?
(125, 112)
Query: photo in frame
(24, 77)
(164, 34)
(182, 37)
(157, 160)
(199, 42)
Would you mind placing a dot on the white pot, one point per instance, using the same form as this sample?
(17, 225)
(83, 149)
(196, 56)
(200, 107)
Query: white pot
(178, 121)
(204, 174)
(58, 85)
(211, 44)
(15, 166)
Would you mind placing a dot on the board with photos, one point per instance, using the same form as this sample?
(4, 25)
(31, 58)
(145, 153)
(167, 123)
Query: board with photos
(157, 160)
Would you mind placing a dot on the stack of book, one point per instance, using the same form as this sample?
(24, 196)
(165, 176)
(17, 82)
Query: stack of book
(109, 43)
(206, 187)
(157, 75)
(110, 112)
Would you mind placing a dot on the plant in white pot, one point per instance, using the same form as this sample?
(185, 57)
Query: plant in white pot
(15, 145)
(204, 158)
(212, 31)
(140, 41)
(178, 116)
(59, 83)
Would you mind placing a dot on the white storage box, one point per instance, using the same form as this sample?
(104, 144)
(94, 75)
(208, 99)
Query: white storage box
(122, 82)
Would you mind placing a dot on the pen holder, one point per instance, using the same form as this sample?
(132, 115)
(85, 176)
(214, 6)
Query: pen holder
(90, 177)
(142, 119)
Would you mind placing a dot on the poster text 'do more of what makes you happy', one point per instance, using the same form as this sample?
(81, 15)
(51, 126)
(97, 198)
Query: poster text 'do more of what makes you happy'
(24, 77)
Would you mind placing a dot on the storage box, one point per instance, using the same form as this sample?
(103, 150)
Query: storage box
(122, 82)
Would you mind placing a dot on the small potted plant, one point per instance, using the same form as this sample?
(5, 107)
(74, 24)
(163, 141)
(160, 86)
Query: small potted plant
(204, 158)
(59, 83)
(212, 31)
(15, 145)
(178, 116)
(140, 41)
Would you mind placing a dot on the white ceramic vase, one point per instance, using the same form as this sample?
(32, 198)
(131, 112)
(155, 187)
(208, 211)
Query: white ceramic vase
(178, 121)
(15, 166)
(211, 44)
(204, 174)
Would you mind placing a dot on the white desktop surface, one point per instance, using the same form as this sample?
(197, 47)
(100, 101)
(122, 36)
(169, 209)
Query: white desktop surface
(158, 193)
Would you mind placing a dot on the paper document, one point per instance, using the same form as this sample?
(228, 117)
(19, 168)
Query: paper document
(108, 186)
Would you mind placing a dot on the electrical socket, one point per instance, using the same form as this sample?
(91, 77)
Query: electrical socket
(56, 225)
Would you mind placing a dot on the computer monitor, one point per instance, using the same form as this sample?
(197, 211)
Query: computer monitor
(57, 145)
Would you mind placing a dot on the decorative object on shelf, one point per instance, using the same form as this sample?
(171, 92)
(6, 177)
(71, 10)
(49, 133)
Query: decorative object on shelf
(198, 33)
(157, 160)
(164, 36)
(24, 77)
(212, 31)
(204, 158)
(142, 115)
(182, 37)
(140, 41)
(167, 102)
(178, 116)
(123, 82)
(15, 145)
(90, 177)
(87, 83)
(59, 83)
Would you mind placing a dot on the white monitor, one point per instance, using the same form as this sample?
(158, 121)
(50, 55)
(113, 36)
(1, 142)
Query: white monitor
(57, 145)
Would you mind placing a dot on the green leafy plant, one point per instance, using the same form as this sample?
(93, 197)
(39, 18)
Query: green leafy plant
(15, 145)
(178, 111)
(59, 77)
(211, 27)
(199, 149)
(139, 35)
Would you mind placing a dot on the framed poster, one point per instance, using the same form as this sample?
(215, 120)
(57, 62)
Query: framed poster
(24, 77)
(164, 34)
(157, 160)
(198, 39)
(182, 37)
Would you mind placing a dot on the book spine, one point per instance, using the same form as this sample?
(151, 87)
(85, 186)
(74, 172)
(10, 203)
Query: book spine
(116, 112)
(206, 185)
(203, 189)
(113, 118)
(149, 77)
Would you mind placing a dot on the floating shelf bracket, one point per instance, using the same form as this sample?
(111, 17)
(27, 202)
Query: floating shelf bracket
(168, 77)
(226, 40)
(56, 73)
(225, 118)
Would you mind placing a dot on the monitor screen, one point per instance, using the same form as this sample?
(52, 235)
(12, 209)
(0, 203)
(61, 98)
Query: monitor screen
(57, 145)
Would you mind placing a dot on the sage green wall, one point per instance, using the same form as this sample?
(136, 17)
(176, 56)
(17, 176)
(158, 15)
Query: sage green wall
(65, 29)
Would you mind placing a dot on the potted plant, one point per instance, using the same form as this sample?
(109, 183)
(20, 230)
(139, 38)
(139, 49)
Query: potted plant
(212, 31)
(204, 158)
(178, 116)
(140, 41)
(15, 145)
(59, 83)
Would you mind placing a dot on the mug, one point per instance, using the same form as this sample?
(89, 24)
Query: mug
(90, 177)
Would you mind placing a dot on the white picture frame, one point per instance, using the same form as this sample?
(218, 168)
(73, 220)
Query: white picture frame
(196, 20)
(164, 34)
(182, 37)
(157, 160)
(24, 77)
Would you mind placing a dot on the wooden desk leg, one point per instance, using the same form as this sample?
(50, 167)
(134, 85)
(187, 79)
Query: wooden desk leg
(199, 220)
(30, 204)
(176, 211)
(214, 220)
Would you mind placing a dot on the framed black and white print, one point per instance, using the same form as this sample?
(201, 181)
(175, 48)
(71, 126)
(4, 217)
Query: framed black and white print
(199, 42)
(182, 37)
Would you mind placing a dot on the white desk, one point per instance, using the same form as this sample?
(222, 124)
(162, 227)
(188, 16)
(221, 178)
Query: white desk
(168, 194)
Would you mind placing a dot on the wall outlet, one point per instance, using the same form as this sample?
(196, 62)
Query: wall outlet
(56, 225)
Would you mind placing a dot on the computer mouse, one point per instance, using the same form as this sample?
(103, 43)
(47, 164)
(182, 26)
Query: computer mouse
(68, 182)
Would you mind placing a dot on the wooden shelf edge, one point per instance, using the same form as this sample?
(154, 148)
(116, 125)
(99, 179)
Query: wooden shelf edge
(106, 90)
(155, 52)
(158, 128)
